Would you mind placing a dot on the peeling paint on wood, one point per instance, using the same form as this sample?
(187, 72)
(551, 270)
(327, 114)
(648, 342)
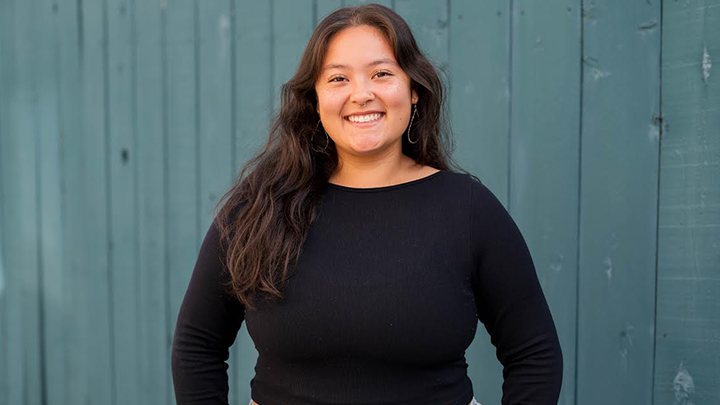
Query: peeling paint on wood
(706, 65)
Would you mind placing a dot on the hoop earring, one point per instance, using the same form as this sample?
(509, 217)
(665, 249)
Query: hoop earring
(411, 121)
(327, 138)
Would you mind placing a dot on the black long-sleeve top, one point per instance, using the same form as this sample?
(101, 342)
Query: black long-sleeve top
(386, 298)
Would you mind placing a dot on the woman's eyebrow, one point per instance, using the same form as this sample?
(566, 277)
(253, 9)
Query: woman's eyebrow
(373, 63)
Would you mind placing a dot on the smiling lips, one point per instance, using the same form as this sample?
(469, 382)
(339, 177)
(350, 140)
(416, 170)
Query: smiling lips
(365, 118)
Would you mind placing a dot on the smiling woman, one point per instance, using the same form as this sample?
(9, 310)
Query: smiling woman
(364, 102)
(360, 260)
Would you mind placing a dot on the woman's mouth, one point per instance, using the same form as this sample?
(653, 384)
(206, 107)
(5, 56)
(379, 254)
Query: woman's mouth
(366, 120)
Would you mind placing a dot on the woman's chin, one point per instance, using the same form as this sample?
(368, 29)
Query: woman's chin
(367, 143)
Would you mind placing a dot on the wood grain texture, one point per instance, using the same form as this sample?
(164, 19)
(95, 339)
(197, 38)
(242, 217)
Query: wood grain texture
(182, 152)
(151, 140)
(687, 361)
(22, 223)
(479, 106)
(253, 54)
(123, 122)
(618, 201)
(544, 157)
(122, 197)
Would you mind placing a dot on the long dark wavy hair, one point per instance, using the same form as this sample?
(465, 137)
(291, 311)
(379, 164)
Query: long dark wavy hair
(265, 215)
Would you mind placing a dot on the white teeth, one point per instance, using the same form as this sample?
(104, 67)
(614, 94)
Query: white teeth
(364, 118)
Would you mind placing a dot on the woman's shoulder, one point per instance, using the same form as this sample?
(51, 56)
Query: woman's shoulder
(463, 180)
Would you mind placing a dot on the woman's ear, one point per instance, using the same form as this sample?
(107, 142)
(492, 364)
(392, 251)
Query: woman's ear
(414, 97)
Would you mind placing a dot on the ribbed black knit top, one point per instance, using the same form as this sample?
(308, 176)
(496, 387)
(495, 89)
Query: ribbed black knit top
(385, 300)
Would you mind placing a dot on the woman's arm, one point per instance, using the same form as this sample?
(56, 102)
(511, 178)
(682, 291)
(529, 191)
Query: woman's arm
(207, 325)
(512, 306)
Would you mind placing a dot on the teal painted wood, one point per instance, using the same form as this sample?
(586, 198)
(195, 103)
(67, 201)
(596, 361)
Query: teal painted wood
(4, 312)
(253, 55)
(140, 115)
(150, 162)
(618, 202)
(324, 7)
(480, 89)
(182, 154)
(21, 136)
(54, 288)
(6, 35)
(67, 379)
(544, 156)
(215, 114)
(292, 22)
(122, 198)
(478, 103)
(96, 329)
(386, 3)
(688, 349)
(428, 19)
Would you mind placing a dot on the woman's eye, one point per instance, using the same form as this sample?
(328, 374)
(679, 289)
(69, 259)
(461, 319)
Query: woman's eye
(342, 78)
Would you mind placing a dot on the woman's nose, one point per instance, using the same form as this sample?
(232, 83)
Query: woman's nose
(362, 93)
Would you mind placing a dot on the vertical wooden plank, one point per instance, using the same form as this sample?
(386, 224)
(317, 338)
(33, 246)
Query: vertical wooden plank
(54, 297)
(182, 208)
(74, 314)
(3, 300)
(545, 154)
(687, 357)
(292, 27)
(215, 99)
(478, 54)
(19, 99)
(618, 200)
(253, 78)
(151, 157)
(3, 278)
(428, 20)
(7, 78)
(123, 253)
(216, 146)
(94, 344)
(479, 89)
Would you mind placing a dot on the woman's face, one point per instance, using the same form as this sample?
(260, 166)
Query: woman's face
(361, 80)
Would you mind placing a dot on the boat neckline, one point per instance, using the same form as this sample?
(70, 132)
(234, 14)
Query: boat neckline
(384, 188)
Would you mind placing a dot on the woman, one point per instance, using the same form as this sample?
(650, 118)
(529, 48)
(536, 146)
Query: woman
(360, 261)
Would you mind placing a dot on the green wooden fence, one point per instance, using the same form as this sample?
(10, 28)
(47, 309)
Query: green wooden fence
(122, 122)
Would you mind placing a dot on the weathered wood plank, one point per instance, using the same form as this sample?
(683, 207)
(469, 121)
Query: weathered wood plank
(687, 358)
(183, 163)
(480, 89)
(428, 19)
(55, 281)
(292, 23)
(71, 385)
(215, 119)
(252, 112)
(94, 305)
(618, 200)
(122, 199)
(545, 154)
(20, 129)
(478, 105)
(151, 139)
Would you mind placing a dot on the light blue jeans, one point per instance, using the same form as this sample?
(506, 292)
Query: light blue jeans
(473, 402)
